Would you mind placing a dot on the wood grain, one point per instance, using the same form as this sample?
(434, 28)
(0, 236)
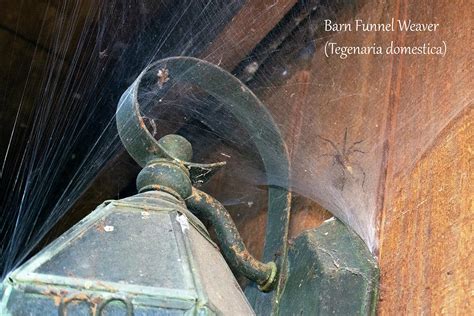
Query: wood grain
(254, 20)
(426, 254)
(325, 97)
(415, 113)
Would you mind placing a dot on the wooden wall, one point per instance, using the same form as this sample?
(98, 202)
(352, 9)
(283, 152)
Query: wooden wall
(426, 224)
(416, 115)
(426, 254)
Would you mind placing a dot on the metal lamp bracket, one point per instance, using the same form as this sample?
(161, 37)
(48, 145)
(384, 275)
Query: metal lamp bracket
(299, 278)
(241, 103)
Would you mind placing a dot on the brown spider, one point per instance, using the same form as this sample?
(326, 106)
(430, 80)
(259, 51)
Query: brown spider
(342, 158)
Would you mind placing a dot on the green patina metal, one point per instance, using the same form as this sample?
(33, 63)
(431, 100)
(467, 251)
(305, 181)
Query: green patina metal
(164, 161)
(143, 255)
(148, 254)
(234, 250)
(330, 272)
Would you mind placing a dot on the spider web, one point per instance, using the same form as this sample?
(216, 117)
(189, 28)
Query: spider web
(58, 124)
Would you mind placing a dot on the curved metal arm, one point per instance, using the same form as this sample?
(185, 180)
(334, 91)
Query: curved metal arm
(205, 206)
(240, 101)
(234, 95)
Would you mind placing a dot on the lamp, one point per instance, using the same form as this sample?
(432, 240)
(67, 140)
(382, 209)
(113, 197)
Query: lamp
(150, 253)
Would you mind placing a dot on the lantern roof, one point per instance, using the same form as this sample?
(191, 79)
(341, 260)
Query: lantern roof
(144, 253)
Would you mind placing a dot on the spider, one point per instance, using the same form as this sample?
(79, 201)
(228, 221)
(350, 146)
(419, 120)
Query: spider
(342, 158)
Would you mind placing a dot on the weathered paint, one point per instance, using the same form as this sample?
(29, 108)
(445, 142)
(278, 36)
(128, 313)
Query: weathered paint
(149, 235)
(330, 272)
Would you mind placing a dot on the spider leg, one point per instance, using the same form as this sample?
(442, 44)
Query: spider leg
(329, 142)
(345, 142)
(363, 179)
(355, 144)
(356, 151)
(358, 142)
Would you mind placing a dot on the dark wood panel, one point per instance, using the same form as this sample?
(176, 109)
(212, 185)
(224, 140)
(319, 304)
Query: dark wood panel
(254, 20)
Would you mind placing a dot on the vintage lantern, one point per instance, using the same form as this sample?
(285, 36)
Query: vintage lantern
(149, 254)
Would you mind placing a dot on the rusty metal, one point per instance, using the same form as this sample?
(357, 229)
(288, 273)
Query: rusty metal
(232, 246)
(98, 261)
(240, 101)
(157, 259)
(89, 269)
(331, 272)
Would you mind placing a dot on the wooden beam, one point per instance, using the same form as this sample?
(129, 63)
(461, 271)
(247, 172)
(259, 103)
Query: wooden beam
(251, 24)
